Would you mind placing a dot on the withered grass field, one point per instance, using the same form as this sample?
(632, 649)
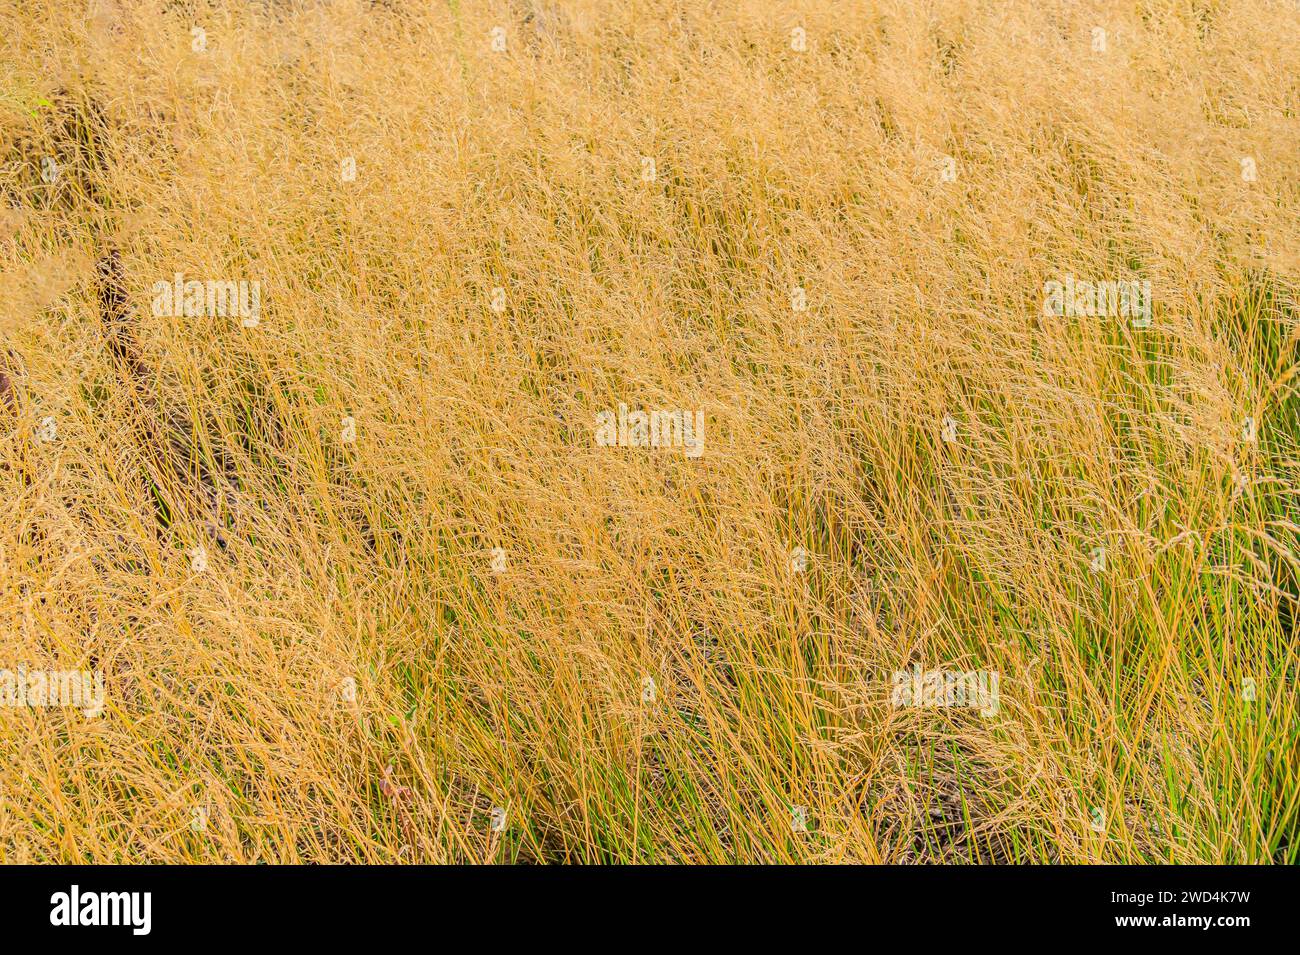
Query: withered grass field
(307, 653)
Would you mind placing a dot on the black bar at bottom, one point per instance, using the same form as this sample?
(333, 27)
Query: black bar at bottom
(346, 905)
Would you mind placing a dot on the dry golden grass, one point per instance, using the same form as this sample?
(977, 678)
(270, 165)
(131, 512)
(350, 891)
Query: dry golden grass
(1129, 728)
